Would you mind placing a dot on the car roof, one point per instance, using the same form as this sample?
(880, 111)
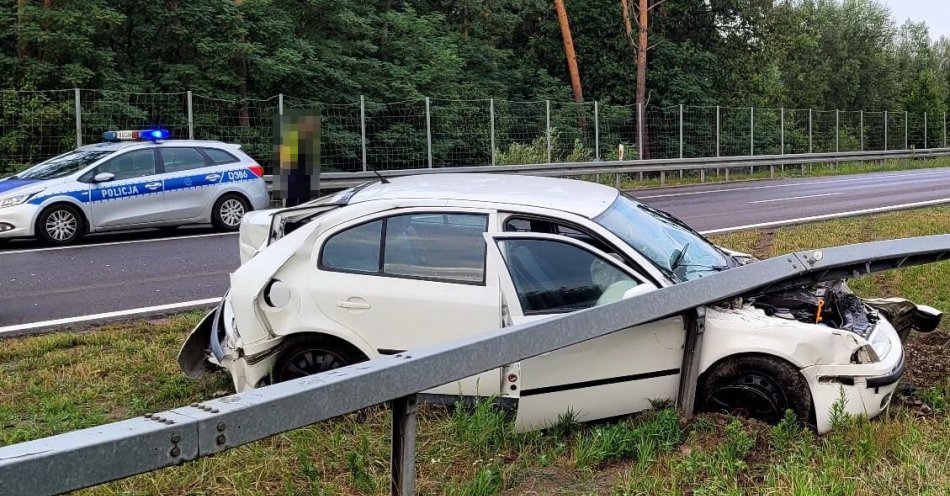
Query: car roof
(579, 197)
(121, 145)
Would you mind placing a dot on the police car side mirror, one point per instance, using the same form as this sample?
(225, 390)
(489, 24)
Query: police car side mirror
(103, 177)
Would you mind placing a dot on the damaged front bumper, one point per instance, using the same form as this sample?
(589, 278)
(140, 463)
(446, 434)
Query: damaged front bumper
(906, 316)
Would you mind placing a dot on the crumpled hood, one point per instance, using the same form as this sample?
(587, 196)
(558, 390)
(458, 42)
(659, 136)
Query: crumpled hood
(9, 185)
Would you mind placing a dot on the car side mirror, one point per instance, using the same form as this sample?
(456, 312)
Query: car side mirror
(638, 290)
(103, 177)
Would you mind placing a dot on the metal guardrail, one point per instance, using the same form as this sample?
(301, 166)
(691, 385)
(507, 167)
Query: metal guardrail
(340, 180)
(87, 457)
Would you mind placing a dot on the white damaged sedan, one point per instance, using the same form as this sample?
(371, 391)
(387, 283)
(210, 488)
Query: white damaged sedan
(420, 260)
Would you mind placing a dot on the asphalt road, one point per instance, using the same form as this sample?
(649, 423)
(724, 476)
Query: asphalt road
(125, 271)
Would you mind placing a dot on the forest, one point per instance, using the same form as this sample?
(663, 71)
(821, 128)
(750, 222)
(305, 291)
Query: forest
(795, 54)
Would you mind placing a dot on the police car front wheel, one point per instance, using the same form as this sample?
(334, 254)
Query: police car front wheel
(228, 212)
(60, 225)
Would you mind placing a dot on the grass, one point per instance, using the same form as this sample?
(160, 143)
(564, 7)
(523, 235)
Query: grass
(55, 383)
(675, 177)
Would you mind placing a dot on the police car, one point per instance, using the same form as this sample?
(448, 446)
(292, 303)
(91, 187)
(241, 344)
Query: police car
(135, 179)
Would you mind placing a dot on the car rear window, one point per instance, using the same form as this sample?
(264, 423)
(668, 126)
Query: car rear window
(219, 156)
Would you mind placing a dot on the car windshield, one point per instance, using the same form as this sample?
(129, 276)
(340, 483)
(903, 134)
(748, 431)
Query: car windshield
(672, 246)
(63, 165)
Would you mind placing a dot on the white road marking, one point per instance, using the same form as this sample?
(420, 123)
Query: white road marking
(770, 186)
(107, 315)
(96, 245)
(794, 198)
(814, 218)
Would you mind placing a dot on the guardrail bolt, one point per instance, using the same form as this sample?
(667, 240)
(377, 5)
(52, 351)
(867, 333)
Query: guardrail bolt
(195, 405)
(214, 410)
(176, 439)
(221, 426)
(175, 452)
(148, 415)
(221, 439)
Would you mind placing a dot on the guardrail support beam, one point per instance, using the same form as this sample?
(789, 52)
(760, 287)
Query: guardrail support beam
(689, 372)
(404, 446)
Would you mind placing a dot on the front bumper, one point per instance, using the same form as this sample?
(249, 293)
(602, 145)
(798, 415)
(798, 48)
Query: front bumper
(860, 389)
(18, 221)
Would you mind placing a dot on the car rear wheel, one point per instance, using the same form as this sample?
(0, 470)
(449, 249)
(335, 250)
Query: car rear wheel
(307, 355)
(756, 387)
(60, 225)
(228, 212)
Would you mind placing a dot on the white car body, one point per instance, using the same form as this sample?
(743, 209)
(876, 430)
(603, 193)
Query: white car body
(155, 184)
(381, 313)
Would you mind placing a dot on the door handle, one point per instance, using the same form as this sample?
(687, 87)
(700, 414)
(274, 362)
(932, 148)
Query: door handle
(353, 305)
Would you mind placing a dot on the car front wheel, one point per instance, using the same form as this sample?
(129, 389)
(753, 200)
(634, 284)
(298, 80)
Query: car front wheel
(60, 225)
(307, 355)
(756, 387)
(228, 212)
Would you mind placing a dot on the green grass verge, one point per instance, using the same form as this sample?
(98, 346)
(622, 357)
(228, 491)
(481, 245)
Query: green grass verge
(59, 382)
(676, 178)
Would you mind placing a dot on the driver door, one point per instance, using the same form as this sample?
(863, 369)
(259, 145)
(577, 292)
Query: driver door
(545, 275)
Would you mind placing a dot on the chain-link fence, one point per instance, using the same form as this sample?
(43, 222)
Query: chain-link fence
(363, 135)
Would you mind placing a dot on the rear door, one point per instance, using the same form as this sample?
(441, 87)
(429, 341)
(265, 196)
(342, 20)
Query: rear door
(136, 194)
(543, 275)
(189, 182)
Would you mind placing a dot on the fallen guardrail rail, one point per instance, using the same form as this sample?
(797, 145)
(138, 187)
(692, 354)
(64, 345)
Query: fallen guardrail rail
(340, 180)
(88, 457)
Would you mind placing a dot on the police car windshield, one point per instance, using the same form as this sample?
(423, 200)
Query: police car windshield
(63, 165)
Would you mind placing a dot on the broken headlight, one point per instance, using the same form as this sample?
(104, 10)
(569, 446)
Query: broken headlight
(865, 354)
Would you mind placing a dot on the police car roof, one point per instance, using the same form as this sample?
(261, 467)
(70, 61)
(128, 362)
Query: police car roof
(120, 145)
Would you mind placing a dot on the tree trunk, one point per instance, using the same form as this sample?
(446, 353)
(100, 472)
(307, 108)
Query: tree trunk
(642, 73)
(22, 45)
(571, 57)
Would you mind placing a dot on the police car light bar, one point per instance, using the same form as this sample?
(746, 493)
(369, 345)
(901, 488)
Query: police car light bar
(157, 134)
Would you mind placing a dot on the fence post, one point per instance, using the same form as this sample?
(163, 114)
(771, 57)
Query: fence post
(782, 131)
(640, 131)
(596, 132)
(403, 458)
(429, 133)
(862, 130)
(363, 128)
(491, 110)
(681, 130)
(906, 128)
(837, 134)
(810, 147)
(925, 130)
(751, 132)
(78, 120)
(885, 130)
(547, 125)
(944, 129)
(280, 103)
(717, 130)
(191, 119)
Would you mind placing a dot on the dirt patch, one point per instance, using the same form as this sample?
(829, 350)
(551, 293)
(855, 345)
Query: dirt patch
(562, 479)
(928, 359)
(763, 244)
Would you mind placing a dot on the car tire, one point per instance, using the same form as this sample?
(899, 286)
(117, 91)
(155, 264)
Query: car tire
(228, 212)
(60, 225)
(304, 355)
(756, 386)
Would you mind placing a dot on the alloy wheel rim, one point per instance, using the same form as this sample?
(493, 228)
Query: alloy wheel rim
(751, 395)
(62, 225)
(232, 211)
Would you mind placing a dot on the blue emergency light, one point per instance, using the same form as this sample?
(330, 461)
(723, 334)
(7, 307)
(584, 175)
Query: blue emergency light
(157, 134)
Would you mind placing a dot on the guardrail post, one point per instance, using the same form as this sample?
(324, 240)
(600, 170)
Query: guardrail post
(885, 130)
(429, 134)
(596, 132)
(78, 119)
(403, 461)
(925, 130)
(363, 128)
(862, 130)
(491, 110)
(191, 119)
(689, 372)
(547, 125)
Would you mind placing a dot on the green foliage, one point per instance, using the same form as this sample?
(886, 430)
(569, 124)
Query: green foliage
(642, 441)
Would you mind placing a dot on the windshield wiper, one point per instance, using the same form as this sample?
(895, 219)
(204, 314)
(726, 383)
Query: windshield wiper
(678, 257)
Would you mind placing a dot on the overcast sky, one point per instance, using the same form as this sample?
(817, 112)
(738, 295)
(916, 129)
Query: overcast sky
(936, 13)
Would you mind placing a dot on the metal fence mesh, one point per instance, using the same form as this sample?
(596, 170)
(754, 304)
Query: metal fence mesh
(363, 135)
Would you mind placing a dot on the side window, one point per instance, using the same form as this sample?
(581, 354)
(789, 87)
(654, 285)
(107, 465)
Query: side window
(181, 159)
(130, 165)
(219, 157)
(555, 277)
(443, 247)
(531, 224)
(356, 249)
